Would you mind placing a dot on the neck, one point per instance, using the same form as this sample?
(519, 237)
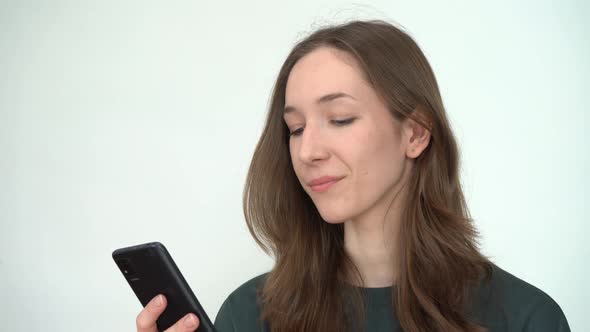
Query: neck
(370, 240)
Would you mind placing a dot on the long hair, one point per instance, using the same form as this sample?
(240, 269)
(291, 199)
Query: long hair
(308, 288)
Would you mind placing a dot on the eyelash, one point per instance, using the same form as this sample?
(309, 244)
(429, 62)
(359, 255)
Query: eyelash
(338, 123)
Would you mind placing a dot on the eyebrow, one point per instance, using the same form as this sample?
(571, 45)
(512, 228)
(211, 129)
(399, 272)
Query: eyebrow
(322, 100)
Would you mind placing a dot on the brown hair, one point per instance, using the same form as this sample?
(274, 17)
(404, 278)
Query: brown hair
(309, 287)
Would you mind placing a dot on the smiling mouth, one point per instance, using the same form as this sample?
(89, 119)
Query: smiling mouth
(324, 186)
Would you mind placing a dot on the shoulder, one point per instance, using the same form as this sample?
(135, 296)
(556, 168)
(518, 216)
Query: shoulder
(241, 311)
(246, 294)
(510, 303)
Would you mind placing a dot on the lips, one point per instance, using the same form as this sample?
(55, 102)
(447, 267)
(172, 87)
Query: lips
(324, 179)
(324, 183)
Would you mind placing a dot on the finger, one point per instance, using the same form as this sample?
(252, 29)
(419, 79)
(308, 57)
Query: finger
(190, 322)
(146, 320)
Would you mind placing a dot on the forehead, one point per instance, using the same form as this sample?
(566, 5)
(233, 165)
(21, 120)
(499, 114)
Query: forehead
(323, 71)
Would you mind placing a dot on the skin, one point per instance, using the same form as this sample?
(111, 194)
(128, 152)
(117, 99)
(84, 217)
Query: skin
(146, 320)
(374, 154)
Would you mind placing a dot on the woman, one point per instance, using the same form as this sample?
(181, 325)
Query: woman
(354, 189)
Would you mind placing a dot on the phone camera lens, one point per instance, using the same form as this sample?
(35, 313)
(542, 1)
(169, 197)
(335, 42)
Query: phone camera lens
(125, 267)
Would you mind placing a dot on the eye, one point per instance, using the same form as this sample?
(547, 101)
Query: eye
(296, 132)
(338, 123)
(343, 122)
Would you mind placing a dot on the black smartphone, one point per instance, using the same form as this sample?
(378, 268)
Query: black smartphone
(150, 270)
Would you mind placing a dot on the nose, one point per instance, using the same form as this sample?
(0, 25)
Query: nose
(312, 147)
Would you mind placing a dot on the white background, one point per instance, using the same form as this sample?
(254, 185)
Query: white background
(128, 122)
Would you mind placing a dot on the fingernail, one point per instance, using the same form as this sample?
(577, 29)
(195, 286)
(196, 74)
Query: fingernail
(190, 321)
(159, 301)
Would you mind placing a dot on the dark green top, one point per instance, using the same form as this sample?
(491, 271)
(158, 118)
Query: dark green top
(504, 303)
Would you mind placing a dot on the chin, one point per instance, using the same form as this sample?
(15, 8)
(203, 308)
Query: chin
(334, 218)
(333, 211)
(335, 222)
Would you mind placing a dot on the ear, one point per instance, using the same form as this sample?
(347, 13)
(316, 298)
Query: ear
(416, 136)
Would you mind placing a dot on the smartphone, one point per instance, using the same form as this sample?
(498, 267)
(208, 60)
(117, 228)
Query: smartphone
(150, 270)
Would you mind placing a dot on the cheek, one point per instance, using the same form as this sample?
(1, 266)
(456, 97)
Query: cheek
(379, 150)
(379, 163)
(294, 161)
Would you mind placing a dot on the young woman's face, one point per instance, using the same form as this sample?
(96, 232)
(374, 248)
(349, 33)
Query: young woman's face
(342, 130)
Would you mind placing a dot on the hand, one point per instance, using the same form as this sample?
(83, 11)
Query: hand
(146, 320)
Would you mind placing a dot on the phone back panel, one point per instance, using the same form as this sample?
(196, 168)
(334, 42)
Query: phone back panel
(150, 270)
